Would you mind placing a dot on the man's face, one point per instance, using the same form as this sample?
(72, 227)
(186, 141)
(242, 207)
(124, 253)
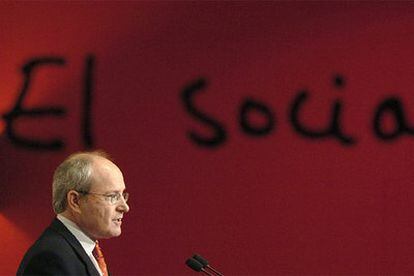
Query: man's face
(99, 218)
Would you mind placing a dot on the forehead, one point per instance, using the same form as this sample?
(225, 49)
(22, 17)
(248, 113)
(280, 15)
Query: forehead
(106, 176)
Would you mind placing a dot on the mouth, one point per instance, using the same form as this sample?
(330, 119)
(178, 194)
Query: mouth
(118, 220)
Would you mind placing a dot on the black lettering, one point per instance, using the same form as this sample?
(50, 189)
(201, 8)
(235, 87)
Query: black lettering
(86, 123)
(392, 106)
(19, 111)
(334, 127)
(220, 134)
(251, 105)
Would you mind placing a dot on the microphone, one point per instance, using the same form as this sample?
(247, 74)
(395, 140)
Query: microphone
(204, 262)
(197, 266)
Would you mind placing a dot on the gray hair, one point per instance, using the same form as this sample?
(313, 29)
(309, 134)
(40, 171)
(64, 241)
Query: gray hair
(74, 173)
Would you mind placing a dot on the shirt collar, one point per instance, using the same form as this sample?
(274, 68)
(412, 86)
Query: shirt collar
(87, 243)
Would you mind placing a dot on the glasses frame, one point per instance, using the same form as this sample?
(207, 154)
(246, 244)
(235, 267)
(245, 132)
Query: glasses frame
(111, 198)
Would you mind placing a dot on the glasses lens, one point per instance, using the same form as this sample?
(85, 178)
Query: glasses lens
(114, 198)
(125, 195)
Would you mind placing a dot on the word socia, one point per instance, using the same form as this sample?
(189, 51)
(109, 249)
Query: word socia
(391, 106)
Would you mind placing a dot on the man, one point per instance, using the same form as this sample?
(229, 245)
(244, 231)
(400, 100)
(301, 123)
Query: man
(89, 199)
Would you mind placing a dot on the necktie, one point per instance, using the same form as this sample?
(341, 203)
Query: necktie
(97, 253)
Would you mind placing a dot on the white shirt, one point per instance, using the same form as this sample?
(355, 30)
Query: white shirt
(87, 244)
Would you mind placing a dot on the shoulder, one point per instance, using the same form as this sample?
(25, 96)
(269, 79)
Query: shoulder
(51, 254)
(51, 241)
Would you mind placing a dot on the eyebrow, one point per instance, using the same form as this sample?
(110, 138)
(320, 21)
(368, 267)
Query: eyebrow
(115, 191)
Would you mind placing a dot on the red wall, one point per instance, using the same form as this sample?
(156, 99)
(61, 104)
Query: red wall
(279, 203)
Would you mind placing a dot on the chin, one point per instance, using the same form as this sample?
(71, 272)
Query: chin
(116, 233)
(109, 234)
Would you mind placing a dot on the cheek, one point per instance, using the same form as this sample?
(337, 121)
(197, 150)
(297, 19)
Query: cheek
(102, 216)
(96, 215)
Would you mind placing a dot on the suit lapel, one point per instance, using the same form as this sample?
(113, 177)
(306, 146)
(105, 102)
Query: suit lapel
(77, 247)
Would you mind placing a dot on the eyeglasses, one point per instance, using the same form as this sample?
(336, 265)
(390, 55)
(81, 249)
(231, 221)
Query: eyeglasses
(112, 198)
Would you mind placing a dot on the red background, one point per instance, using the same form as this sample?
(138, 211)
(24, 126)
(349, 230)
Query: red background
(278, 204)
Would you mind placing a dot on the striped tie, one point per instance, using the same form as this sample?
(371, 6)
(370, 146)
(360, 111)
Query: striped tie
(97, 253)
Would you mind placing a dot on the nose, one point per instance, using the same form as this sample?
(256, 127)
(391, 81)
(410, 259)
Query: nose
(123, 206)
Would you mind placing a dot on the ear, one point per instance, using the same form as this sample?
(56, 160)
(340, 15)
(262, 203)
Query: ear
(73, 198)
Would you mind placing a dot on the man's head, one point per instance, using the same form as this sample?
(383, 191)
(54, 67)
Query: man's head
(89, 189)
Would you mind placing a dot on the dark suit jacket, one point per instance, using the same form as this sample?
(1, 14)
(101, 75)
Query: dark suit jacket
(56, 252)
